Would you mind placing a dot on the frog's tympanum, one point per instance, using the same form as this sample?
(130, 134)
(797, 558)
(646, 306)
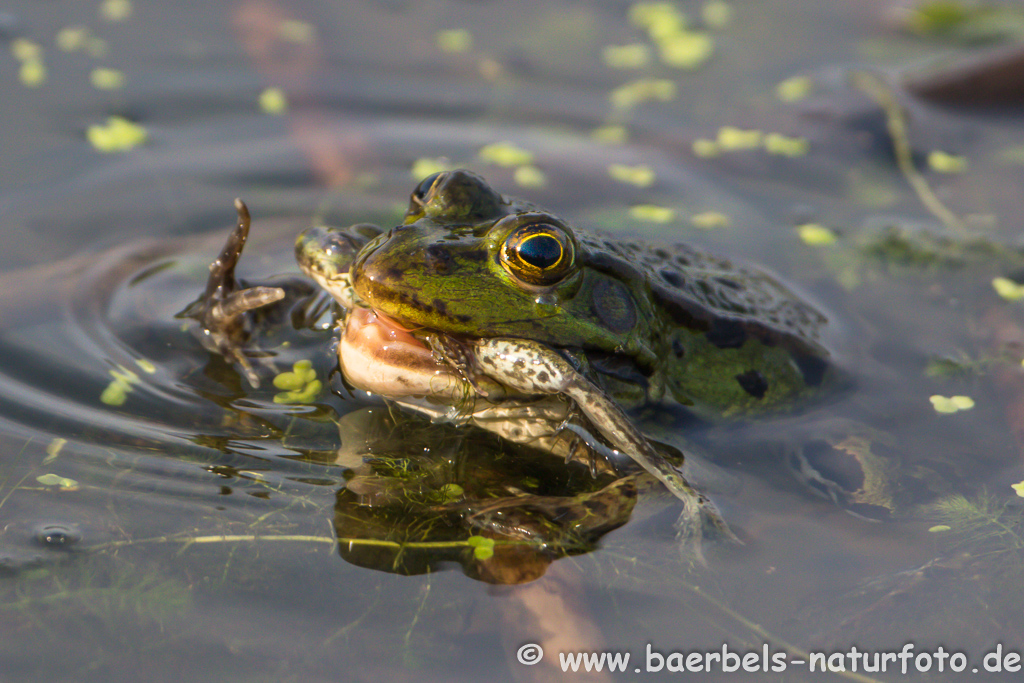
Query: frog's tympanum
(486, 309)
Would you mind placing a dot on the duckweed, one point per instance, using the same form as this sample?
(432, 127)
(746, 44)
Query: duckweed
(25, 50)
(705, 149)
(529, 176)
(667, 27)
(775, 143)
(965, 21)
(1008, 289)
(483, 548)
(300, 385)
(54, 448)
(450, 492)
(63, 483)
(72, 38)
(145, 365)
(951, 404)
(643, 90)
(709, 220)
(941, 162)
(505, 154)
(641, 176)
(652, 213)
(816, 235)
(273, 101)
(731, 138)
(686, 50)
(794, 89)
(106, 79)
(116, 393)
(716, 14)
(118, 135)
(659, 18)
(116, 10)
(454, 40)
(32, 73)
(633, 56)
(424, 166)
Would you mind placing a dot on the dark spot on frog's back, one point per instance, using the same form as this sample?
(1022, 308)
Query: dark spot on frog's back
(727, 334)
(812, 367)
(391, 274)
(437, 259)
(753, 382)
(440, 306)
(613, 304)
(474, 255)
(407, 299)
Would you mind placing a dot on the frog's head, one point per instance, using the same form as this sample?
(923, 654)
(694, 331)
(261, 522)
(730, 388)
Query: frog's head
(471, 263)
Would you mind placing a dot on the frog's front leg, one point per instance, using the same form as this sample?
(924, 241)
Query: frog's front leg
(533, 368)
(223, 307)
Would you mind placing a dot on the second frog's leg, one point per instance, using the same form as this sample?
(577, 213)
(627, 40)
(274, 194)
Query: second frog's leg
(222, 310)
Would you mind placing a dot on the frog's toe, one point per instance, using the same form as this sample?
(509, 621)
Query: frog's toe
(700, 520)
(241, 302)
(238, 357)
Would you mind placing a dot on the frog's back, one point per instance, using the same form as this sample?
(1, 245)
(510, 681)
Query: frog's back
(731, 338)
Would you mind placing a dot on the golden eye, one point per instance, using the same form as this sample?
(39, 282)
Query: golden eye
(538, 253)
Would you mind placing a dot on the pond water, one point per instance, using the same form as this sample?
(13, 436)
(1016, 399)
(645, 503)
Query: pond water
(161, 519)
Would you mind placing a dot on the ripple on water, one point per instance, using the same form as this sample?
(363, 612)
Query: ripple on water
(80, 470)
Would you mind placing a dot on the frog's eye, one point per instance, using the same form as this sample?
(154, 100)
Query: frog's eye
(419, 195)
(538, 253)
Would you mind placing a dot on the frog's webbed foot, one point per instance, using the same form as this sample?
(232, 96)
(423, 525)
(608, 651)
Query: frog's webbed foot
(590, 454)
(222, 310)
(698, 520)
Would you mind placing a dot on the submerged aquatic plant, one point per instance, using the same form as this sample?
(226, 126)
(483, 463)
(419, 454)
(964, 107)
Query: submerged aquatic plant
(984, 525)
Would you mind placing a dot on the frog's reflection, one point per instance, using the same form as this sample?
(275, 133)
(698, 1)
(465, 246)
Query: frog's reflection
(422, 497)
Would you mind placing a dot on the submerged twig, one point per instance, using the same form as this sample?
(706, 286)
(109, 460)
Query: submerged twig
(769, 637)
(300, 538)
(881, 92)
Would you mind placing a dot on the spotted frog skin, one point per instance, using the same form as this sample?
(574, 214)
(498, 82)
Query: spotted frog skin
(643, 323)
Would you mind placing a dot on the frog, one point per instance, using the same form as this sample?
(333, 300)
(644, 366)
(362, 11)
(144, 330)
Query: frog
(487, 309)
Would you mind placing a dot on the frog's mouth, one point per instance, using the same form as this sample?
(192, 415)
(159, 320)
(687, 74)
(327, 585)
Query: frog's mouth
(379, 355)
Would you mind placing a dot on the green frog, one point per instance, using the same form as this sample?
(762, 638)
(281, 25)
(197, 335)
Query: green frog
(487, 309)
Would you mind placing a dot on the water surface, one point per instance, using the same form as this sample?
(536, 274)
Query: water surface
(189, 532)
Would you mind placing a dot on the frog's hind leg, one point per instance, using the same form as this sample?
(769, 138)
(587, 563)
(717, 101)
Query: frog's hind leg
(222, 309)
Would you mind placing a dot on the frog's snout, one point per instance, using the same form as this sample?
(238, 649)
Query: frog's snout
(329, 252)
